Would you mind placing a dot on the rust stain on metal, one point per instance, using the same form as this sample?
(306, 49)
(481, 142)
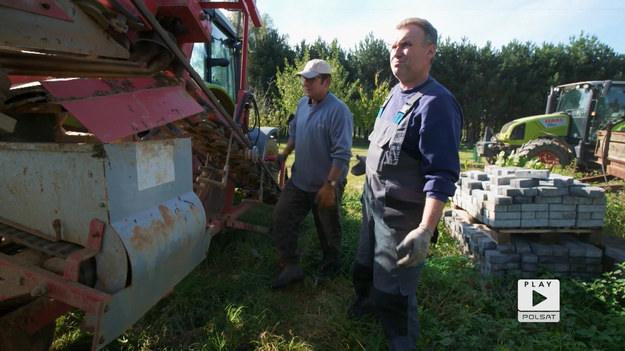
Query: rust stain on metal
(145, 238)
(168, 217)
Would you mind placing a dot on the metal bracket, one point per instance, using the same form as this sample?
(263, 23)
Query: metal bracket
(94, 243)
(203, 180)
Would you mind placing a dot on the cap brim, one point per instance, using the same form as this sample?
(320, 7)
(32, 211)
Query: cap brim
(309, 74)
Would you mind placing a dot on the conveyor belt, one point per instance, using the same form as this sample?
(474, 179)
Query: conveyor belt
(59, 248)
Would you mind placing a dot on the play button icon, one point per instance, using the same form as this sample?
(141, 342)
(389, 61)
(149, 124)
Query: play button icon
(539, 295)
(537, 298)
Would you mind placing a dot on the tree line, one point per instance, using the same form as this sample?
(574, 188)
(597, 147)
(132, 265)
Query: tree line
(493, 85)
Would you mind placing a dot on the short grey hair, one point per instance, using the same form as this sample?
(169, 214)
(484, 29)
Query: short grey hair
(431, 34)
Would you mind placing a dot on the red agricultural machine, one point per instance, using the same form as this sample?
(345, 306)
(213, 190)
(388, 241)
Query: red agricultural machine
(127, 140)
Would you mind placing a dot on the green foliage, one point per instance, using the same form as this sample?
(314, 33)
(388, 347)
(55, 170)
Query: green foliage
(290, 88)
(366, 108)
(493, 85)
(615, 214)
(610, 288)
(369, 63)
(515, 160)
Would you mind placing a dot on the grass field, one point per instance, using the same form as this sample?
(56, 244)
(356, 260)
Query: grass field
(227, 304)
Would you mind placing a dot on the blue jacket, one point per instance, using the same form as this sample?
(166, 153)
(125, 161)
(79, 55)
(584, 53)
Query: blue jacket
(432, 136)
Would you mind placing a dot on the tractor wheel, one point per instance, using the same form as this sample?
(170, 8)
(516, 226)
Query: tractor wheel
(548, 151)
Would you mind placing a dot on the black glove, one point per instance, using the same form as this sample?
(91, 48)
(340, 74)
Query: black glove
(360, 167)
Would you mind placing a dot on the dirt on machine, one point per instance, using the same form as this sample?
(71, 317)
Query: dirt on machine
(575, 115)
(127, 141)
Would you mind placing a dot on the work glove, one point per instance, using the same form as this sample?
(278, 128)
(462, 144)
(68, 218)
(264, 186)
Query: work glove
(413, 250)
(359, 168)
(325, 196)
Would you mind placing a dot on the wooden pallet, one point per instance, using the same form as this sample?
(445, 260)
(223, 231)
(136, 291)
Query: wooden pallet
(545, 235)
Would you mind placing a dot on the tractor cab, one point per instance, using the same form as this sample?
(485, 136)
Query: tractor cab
(218, 62)
(567, 130)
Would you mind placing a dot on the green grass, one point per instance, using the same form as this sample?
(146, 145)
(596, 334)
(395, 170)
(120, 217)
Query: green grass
(226, 303)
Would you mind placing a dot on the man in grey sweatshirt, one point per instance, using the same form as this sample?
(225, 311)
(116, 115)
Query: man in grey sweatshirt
(321, 135)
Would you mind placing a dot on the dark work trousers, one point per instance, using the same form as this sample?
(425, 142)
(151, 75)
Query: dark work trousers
(392, 206)
(292, 208)
(394, 304)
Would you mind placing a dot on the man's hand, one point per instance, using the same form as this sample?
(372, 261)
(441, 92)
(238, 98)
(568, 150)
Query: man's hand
(280, 159)
(414, 247)
(325, 196)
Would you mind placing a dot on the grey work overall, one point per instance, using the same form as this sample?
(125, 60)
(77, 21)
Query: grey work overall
(393, 202)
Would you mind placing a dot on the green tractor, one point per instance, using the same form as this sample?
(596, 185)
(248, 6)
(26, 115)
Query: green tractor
(567, 130)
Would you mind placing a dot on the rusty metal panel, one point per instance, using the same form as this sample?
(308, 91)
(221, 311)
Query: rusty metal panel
(113, 117)
(153, 221)
(198, 27)
(54, 191)
(141, 175)
(72, 89)
(78, 33)
(165, 244)
(153, 207)
(161, 222)
(44, 183)
(41, 7)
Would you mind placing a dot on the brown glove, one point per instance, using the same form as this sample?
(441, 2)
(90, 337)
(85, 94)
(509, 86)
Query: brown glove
(325, 196)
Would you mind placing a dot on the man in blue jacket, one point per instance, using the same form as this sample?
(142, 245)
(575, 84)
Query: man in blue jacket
(411, 167)
(321, 135)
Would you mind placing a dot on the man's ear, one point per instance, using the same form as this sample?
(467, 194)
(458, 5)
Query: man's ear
(327, 81)
(431, 51)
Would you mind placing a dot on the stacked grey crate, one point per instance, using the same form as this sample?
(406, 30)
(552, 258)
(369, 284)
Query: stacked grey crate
(521, 198)
(522, 256)
(511, 197)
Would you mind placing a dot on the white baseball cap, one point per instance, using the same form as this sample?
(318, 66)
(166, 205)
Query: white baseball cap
(314, 68)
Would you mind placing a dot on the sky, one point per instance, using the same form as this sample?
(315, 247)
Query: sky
(479, 21)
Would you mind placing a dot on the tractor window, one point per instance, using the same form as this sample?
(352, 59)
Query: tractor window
(223, 62)
(215, 62)
(615, 104)
(518, 133)
(575, 102)
(198, 60)
(610, 109)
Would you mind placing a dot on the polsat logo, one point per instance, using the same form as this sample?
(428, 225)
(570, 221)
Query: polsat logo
(553, 122)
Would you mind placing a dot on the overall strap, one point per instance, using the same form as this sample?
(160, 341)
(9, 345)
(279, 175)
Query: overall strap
(411, 102)
(388, 98)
